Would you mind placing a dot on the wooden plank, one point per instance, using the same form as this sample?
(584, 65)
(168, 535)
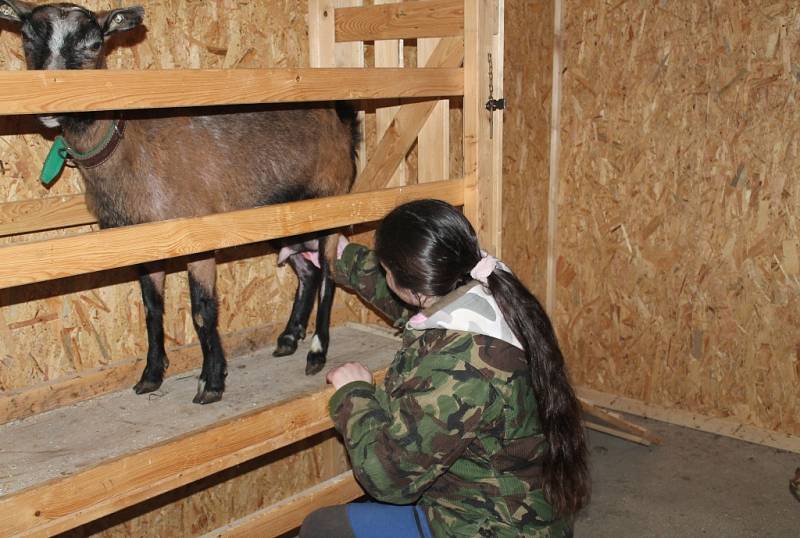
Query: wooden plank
(403, 130)
(288, 514)
(325, 52)
(425, 18)
(555, 145)
(389, 53)
(616, 433)
(61, 504)
(728, 427)
(37, 92)
(619, 423)
(483, 207)
(320, 33)
(67, 256)
(496, 125)
(28, 216)
(433, 142)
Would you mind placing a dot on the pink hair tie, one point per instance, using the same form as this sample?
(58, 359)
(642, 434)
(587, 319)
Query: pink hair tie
(483, 269)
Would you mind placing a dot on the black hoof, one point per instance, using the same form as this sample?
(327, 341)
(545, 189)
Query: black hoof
(287, 345)
(205, 395)
(144, 386)
(315, 362)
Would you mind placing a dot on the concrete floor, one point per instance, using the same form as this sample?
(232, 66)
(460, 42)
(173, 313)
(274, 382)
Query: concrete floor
(695, 484)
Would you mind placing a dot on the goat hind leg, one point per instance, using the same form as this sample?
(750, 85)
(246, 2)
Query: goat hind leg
(205, 314)
(152, 284)
(317, 355)
(308, 279)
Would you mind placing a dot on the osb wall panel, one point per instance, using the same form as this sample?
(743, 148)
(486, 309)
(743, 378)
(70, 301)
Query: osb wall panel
(526, 134)
(679, 275)
(56, 330)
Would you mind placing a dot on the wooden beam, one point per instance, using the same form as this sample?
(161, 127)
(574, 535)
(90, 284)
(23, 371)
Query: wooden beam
(28, 216)
(325, 52)
(45, 92)
(616, 433)
(320, 33)
(288, 514)
(425, 18)
(555, 146)
(619, 423)
(65, 503)
(483, 206)
(389, 53)
(36, 261)
(433, 142)
(496, 123)
(405, 126)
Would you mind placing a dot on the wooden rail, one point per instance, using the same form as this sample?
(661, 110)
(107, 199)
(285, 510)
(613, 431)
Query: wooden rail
(42, 214)
(44, 92)
(36, 261)
(425, 18)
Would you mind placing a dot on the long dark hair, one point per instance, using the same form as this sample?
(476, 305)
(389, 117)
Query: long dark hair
(430, 248)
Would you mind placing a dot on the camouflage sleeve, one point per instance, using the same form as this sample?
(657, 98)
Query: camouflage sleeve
(400, 442)
(358, 269)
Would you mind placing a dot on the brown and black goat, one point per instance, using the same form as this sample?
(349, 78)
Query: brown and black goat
(143, 167)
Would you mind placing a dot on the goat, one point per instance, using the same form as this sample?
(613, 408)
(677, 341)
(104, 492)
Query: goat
(174, 164)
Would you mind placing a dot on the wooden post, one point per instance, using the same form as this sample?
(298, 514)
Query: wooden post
(433, 147)
(389, 53)
(555, 141)
(325, 52)
(498, 48)
(482, 199)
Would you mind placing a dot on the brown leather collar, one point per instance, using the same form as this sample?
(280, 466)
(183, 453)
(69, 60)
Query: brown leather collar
(100, 153)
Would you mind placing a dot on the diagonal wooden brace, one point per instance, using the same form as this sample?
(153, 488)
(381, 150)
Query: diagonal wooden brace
(408, 121)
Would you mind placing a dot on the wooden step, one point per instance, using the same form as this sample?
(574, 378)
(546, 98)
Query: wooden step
(69, 466)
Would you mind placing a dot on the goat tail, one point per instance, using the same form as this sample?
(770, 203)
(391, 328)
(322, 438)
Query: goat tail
(348, 115)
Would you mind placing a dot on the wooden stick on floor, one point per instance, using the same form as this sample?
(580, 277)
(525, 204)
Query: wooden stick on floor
(633, 430)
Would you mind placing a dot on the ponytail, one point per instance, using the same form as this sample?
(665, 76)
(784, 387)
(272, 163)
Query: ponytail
(566, 480)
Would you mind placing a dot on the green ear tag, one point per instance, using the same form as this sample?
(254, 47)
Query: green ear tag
(54, 162)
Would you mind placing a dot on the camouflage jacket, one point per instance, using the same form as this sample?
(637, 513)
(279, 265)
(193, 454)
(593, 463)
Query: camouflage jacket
(455, 426)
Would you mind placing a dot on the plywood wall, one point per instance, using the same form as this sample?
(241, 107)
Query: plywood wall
(526, 133)
(679, 238)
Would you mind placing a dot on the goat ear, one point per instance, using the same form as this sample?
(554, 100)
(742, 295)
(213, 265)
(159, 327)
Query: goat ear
(119, 20)
(14, 10)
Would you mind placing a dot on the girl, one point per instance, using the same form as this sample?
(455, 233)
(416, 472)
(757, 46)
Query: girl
(476, 429)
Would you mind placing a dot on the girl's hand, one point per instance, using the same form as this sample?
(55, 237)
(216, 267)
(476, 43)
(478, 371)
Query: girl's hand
(347, 373)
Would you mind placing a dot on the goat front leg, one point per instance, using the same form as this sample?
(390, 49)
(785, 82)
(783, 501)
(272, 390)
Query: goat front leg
(152, 284)
(308, 278)
(205, 314)
(317, 355)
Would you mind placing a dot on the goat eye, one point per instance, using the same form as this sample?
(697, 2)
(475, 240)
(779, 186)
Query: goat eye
(96, 45)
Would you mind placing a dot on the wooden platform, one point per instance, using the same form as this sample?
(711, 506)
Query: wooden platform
(68, 466)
